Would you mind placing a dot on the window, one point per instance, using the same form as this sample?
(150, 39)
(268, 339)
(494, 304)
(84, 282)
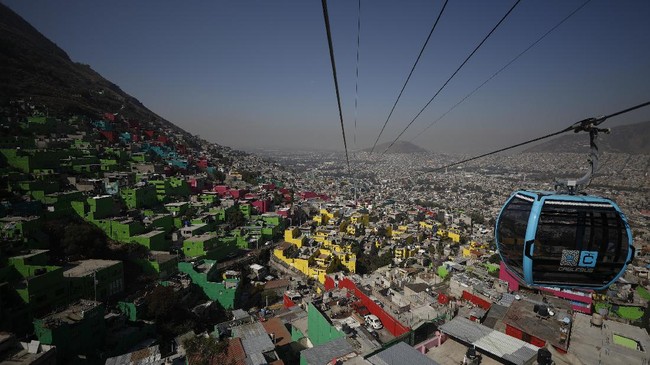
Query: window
(579, 244)
(511, 232)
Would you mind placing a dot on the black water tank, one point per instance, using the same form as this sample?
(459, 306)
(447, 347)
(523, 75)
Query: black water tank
(544, 357)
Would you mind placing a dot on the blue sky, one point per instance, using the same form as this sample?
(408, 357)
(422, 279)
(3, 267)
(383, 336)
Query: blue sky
(257, 73)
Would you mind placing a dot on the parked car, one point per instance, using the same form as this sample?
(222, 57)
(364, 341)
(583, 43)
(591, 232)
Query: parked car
(373, 321)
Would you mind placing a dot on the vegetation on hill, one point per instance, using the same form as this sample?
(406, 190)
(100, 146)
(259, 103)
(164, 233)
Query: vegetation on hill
(34, 68)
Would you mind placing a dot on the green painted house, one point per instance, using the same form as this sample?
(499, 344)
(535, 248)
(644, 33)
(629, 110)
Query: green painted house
(153, 240)
(95, 279)
(204, 273)
(161, 264)
(139, 197)
(79, 329)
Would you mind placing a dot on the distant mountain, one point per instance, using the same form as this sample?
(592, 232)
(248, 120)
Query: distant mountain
(398, 147)
(35, 69)
(633, 139)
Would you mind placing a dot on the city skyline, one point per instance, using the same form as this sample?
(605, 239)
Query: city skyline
(250, 75)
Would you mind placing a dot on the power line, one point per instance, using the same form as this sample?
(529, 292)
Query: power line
(336, 82)
(409, 76)
(356, 85)
(452, 75)
(576, 127)
(503, 68)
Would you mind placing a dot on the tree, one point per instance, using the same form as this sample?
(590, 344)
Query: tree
(335, 266)
(235, 217)
(161, 301)
(204, 350)
(250, 176)
(382, 232)
(477, 218)
(82, 240)
(218, 175)
(494, 259)
(135, 251)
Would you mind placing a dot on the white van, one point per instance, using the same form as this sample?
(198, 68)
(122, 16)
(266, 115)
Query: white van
(373, 321)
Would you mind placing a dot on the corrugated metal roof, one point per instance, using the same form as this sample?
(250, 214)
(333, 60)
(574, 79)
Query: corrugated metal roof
(399, 354)
(254, 338)
(489, 340)
(146, 356)
(323, 354)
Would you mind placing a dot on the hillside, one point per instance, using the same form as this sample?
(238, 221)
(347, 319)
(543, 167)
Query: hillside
(34, 68)
(399, 147)
(632, 139)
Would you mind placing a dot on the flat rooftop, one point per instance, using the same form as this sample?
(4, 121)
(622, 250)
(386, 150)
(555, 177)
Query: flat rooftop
(178, 204)
(31, 253)
(162, 256)
(87, 267)
(521, 315)
(597, 345)
(73, 313)
(14, 219)
(151, 234)
(489, 341)
(452, 352)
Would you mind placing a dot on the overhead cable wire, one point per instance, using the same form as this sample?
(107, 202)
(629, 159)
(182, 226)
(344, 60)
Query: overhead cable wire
(356, 85)
(452, 75)
(336, 82)
(503, 68)
(409, 76)
(576, 127)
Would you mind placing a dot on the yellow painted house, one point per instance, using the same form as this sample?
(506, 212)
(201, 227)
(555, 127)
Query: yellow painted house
(404, 252)
(354, 229)
(316, 265)
(294, 236)
(360, 218)
(454, 236)
(324, 217)
(426, 225)
(321, 235)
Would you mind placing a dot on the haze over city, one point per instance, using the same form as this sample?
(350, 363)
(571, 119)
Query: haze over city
(257, 74)
(173, 187)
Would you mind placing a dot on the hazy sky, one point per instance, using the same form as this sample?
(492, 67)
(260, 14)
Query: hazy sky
(257, 73)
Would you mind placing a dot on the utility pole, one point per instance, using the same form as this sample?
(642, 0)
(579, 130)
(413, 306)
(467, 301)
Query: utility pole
(95, 283)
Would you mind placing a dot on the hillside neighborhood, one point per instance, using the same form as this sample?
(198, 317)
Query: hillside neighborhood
(125, 239)
(138, 241)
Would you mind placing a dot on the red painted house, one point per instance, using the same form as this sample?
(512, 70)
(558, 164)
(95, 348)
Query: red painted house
(283, 212)
(109, 116)
(268, 187)
(304, 195)
(262, 206)
(237, 193)
(109, 135)
(221, 189)
(390, 323)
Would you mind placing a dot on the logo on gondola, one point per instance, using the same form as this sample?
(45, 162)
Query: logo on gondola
(579, 258)
(588, 258)
(570, 258)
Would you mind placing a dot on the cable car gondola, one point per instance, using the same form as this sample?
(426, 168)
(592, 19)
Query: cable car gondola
(564, 239)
